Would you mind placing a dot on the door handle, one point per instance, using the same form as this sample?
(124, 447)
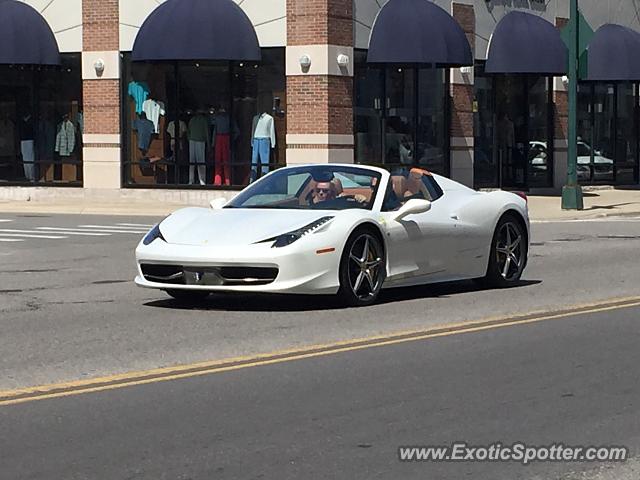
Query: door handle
(454, 216)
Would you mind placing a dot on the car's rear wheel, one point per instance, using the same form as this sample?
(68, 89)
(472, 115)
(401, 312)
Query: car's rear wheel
(190, 296)
(508, 255)
(362, 269)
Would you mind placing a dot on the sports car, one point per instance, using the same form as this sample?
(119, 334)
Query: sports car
(338, 229)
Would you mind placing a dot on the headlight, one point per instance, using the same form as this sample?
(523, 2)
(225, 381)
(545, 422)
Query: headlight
(152, 235)
(290, 237)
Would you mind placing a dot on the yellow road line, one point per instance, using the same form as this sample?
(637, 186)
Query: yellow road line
(111, 382)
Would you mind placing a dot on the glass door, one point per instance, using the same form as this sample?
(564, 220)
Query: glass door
(512, 135)
(603, 148)
(539, 164)
(625, 150)
(399, 124)
(368, 113)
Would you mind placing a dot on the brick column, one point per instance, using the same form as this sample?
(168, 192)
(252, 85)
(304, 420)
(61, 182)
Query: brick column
(561, 119)
(320, 97)
(101, 93)
(462, 98)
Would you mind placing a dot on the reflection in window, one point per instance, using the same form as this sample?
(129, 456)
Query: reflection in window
(607, 133)
(41, 123)
(400, 116)
(203, 123)
(513, 130)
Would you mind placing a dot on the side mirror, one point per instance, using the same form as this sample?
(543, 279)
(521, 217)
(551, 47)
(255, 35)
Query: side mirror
(218, 203)
(412, 207)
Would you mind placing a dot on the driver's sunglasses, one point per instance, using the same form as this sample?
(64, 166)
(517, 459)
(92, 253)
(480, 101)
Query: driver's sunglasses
(322, 190)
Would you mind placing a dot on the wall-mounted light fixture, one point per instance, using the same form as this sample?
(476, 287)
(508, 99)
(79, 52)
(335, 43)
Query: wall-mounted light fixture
(305, 61)
(565, 81)
(343, 60)
(99, 66)
(466, 70)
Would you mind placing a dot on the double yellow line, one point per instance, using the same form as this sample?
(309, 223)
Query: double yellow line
(99, 384)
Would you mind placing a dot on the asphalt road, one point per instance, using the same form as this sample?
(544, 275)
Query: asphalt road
(572, 380)
(69, 309)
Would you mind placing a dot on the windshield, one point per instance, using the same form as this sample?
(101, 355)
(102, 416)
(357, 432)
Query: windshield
(312, 187)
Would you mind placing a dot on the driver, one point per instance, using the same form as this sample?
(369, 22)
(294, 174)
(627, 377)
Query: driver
(324, 191)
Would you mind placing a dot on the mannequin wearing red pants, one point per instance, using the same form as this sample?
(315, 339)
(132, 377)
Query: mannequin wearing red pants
(224, 129)
(222, 158)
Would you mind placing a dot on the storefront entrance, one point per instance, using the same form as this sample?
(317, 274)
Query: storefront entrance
(608, 133)
(513, 131)
(400, 116)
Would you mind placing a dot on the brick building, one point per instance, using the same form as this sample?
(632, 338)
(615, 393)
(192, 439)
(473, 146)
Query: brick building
(183, 97)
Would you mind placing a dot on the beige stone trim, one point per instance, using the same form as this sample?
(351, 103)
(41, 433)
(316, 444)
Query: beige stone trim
(324, 60)
(319, 139)
(100, 155)
(111, 60)
(560, 144)
(303, 156)
(459, 78)
(462, 167)
(101, 175)
(558, 85)
(461, 142)
(104, 138)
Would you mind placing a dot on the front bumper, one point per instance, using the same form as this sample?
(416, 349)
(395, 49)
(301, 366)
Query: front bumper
(299, 268)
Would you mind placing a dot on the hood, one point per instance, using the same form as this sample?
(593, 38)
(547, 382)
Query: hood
(233, 226)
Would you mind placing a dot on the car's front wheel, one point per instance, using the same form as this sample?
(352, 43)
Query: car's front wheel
(508, 255)
(190, 296)
(362, 269)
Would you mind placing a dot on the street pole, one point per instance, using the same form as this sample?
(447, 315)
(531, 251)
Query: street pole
(572, 192)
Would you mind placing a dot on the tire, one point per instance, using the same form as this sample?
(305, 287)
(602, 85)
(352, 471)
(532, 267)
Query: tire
(508, 255)
(189, 296)
(362, 269)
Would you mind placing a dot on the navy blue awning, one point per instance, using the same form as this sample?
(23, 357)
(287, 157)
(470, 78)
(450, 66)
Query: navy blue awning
(418, 31)
(197, 30)
(526, 43)
(25, 37)
(613, 54)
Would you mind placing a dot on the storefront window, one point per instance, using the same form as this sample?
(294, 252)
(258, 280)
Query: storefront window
(607, 133)
(41, 123)
(203, 124)
(400, 116)
(513, 131)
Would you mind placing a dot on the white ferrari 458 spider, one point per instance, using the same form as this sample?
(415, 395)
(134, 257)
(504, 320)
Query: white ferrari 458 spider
(338, 229)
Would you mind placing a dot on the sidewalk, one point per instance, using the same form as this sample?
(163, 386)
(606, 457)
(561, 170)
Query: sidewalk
(597, 203)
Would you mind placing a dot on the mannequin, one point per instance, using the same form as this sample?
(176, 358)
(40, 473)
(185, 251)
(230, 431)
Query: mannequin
(263, 140)
(27, 133)
(171, 130)
(222, 142)
(198, 134)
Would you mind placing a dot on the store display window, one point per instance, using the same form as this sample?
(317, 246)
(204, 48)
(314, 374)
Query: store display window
(513, 130)
(41, 123)
(607, 133)
(203, 124)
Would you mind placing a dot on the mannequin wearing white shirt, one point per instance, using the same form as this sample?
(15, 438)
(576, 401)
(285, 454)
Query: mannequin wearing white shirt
(263, 140)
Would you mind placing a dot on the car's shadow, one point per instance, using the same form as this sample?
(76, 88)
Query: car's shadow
(242, 302)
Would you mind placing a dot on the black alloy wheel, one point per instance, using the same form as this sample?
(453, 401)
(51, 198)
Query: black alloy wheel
(362, 269)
